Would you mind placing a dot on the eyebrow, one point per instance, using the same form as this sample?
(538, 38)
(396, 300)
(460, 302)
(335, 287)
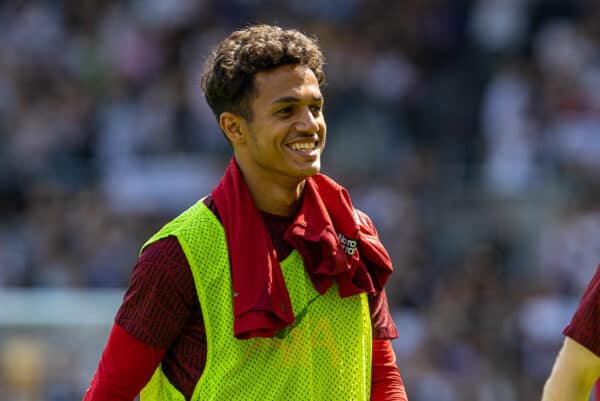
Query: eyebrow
(293, 99)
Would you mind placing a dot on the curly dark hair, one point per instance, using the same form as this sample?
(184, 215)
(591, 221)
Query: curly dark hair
(228, 76)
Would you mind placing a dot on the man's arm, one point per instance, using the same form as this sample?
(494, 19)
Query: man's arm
(157, 306)
(574, 372)
(125, 366)
(386, 382)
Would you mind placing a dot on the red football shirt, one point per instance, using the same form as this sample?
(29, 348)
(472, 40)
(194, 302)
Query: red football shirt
(162, 310)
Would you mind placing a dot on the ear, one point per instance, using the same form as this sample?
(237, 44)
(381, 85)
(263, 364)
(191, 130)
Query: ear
(233, 127)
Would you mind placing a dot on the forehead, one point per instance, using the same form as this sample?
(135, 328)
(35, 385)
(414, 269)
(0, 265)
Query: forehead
(287, 80)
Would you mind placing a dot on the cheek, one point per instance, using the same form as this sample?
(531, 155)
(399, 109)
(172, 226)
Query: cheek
(322, 123)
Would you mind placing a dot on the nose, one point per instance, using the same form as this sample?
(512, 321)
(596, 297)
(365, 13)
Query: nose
(307, 121)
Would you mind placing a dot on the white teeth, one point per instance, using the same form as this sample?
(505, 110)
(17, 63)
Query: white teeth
(303, 146)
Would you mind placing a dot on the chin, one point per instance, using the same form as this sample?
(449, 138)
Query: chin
(312, 170)
(301, 174)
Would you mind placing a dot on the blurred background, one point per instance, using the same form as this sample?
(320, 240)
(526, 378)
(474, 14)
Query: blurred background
(468, 129)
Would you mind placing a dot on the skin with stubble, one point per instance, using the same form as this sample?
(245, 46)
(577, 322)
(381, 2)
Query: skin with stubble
(281, 144)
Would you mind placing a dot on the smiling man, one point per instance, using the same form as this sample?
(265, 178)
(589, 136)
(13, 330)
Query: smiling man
(272, 286)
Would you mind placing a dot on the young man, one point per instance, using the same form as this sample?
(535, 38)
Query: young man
(577, 365)
(270, 288)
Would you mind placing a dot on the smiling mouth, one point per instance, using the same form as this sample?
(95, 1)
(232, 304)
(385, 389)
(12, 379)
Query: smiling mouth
(303, 146)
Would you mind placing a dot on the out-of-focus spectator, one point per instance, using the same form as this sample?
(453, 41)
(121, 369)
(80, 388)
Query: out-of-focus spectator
(511, 138)
(23, 362)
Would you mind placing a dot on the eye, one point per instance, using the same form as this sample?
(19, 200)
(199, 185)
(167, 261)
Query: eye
(285, 110)
(316, 109)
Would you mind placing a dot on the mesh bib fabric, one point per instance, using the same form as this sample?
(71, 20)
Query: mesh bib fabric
(324, 355)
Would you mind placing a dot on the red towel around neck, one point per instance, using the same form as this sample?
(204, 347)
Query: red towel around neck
(335, 241)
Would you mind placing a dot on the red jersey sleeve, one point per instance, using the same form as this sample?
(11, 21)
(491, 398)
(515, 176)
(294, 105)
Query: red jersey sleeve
(126, 365)
(386, 382)
(381, 319)
(585, 324)
(156, 308)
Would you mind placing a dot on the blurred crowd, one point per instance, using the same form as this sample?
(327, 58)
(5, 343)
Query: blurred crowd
(468, 129)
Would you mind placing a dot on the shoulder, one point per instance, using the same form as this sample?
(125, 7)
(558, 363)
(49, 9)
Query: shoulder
(382, 322)
(198, 215)
(364, 220)
(590, 301)
(161, 285)
(367, 227)
(163, 250)
(161, 263)
(585, 324)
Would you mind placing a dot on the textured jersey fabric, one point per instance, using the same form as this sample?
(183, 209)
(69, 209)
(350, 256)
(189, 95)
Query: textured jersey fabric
(162, 282)
(585, 324)
(127, 364)
(337, 244)
(325, 354)
(161, 309)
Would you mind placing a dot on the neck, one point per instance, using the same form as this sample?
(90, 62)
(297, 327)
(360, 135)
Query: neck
(278, 196)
